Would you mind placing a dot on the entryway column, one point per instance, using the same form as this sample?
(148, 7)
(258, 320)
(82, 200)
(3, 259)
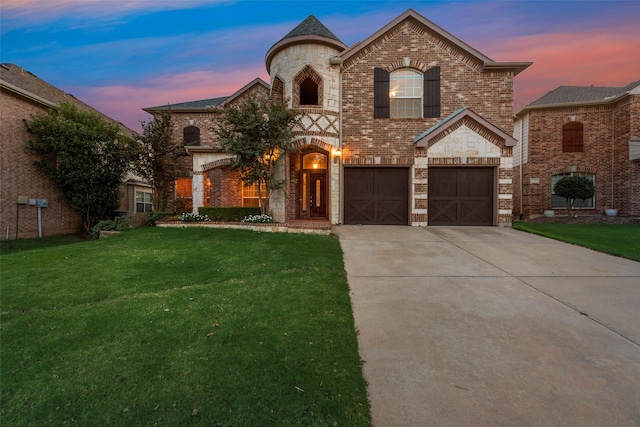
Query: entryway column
(196, 191)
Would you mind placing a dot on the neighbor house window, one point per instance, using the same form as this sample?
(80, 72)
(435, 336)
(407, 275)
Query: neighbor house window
(144, 202)
(558, 202)
(406, 93)
(572, 137)
(183, 188)
(250, 195)
(191, 135)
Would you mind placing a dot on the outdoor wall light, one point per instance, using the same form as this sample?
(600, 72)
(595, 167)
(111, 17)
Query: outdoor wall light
(336, 156)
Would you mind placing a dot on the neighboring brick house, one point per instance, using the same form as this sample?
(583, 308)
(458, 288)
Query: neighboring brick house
(22, 95)
(579, 130)
(411, 126)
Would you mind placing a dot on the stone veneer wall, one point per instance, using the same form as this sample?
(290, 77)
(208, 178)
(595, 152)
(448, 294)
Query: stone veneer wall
(319, 127)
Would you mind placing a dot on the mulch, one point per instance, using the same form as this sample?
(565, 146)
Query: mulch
(586, 219)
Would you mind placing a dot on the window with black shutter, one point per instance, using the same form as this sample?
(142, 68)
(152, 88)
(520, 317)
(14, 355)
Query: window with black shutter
(572, 137)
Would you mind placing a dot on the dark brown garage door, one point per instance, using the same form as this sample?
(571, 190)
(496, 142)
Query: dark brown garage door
(376, 196)
(461, 196)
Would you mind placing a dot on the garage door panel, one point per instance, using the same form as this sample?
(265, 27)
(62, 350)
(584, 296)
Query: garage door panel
(376, 196)
(460, 196)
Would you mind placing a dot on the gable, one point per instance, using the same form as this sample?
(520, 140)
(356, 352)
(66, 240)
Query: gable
(463, 142)
(417, 29)
(464, 118)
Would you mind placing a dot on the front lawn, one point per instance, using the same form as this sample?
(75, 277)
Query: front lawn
(178, 327)
(616, 239)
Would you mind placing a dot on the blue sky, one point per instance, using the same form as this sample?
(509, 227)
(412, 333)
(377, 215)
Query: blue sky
(123, 55)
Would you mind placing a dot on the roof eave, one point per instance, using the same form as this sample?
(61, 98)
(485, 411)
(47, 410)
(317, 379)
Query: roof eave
(26, 94)
(573, 104)
(422, 140)
(515, 67)
(290, 41)
(410, 13)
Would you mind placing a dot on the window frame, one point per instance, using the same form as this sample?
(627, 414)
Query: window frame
(181, 189)
(144, 202)
(194, 135)
(406, 93)
(558, 202)
(250, 193)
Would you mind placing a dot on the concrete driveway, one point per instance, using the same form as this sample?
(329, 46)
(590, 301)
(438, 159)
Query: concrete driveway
(487, 326)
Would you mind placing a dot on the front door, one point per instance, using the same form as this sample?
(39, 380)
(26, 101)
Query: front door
(313, 186)
(317, 195)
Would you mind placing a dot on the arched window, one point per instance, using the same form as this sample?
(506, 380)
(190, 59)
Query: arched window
(405, 93)
(572, 137)
(308, 92)
(307, 88)
(191, 135)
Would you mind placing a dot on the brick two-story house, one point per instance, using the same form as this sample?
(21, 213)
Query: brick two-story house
(22, 95)
(579, 130)
(410, 126)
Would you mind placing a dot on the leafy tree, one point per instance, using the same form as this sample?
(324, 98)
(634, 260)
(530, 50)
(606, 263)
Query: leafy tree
(85, 156)
(258, 132)
(572, 188)
(156, 158)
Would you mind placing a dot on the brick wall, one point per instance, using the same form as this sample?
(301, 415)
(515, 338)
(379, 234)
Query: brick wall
(606, 133)
(20, 178)
(390, 141)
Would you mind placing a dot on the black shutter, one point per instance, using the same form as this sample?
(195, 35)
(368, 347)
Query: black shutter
(380, 93)
(431, 96)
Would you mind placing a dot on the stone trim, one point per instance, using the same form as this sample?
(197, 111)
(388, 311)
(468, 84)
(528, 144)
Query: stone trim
(464, 161)
(302, 143)
(379, 160)
(217, 164)
(576, 168)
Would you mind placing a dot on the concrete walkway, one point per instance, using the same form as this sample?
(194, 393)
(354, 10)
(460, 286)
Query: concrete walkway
(487, 326)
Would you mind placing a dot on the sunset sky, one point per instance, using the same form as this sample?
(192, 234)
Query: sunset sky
(120, 56)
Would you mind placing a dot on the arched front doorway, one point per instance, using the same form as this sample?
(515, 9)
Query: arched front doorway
(313, 186)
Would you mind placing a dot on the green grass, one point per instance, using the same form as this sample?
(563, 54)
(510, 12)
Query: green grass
(622, 240)
(180, 327)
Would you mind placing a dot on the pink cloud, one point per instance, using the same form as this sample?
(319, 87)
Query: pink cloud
(599, 58)
(125, 102)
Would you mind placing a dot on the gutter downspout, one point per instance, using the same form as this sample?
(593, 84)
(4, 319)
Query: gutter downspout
(341, 167)
(521, 167)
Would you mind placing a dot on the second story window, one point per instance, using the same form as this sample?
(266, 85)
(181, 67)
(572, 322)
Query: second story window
(405, 94)
(308, 92)
(191, 135)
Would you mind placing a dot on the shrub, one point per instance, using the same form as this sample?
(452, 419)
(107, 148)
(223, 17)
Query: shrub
(159, 216)
(138, 220)
(572, 188)
(193, 217)
(235, 213)
(258, 218)
(120, 223)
